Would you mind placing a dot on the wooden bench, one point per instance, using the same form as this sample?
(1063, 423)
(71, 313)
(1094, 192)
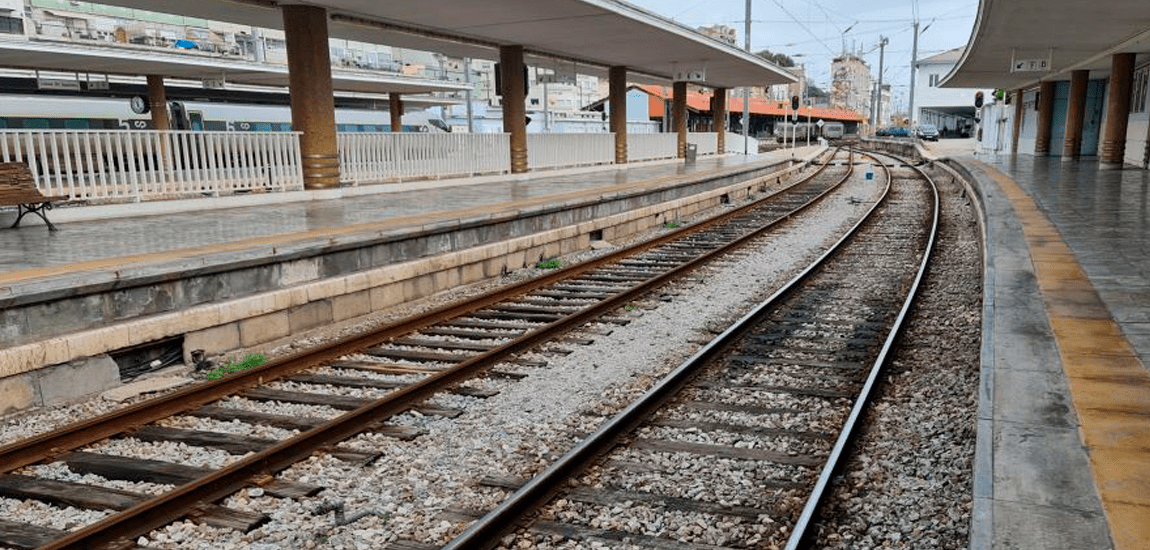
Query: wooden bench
(18, 188)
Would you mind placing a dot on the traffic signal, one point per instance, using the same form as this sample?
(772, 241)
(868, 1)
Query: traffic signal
(977, 99)
(794, 103)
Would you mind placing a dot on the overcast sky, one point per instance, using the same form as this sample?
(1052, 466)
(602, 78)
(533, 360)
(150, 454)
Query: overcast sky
(811, 31)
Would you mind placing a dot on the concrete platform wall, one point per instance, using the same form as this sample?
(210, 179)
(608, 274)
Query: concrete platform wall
(263, 295)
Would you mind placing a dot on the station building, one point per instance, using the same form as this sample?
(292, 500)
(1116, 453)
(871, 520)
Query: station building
(951, 110)
(1062, 457)
(1075, 77)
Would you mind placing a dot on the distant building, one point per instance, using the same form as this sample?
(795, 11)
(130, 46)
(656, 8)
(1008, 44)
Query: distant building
(784, 92)
(851, 84)
(722, 33)
(951, 109)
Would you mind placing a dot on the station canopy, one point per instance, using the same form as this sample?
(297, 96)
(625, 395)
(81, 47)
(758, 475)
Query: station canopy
(580, 36)
(1012, 39)
(95, 58)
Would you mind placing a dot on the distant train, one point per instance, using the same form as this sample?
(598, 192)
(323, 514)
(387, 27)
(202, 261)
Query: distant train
(800, 131)
(85, 113)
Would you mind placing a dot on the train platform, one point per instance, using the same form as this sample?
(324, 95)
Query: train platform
(1063, 440)
(231, 278)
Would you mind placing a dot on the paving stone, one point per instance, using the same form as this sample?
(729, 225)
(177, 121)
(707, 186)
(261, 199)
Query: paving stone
(264, 328)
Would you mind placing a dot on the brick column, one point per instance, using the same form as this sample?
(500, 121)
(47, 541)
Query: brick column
(1075, 114)
(312, 100)
(679, 115)
(1117, 111)
(1045, 118)
(158, 102)
(514, 99)
(395, 110)
(719, 118)
(617, 82)
(1017, 120)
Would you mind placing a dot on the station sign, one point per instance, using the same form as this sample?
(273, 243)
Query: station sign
(57, 84)
(214, 83)
(691, 75)
(561, 75)
(1030, 66)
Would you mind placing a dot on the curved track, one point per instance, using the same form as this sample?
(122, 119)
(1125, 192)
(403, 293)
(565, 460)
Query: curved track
(366, 379)
(790, 378)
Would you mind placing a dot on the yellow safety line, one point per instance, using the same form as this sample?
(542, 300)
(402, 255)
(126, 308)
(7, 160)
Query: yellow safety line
(1109, 384)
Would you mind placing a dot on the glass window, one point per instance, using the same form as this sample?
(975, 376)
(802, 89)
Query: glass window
(76, 124)
(11, 25)
(1141, 88)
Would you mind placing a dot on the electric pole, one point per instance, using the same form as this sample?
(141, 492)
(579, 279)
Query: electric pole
(913, 63)
(882, 42)
(746, 90)
(467, 80)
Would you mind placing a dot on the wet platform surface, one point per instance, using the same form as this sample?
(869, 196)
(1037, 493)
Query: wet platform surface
(32, 247)
(1063, 450)
(1104, 217)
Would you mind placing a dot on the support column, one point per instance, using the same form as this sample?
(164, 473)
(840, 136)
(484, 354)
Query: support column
(1045, 118)
(158, 102)
(617, 82)
(679, 115)
(395, 110)
(514, 99)
(1075, 114)
(1113, 150)
(1017, 120)
(719, 117)
(312, 99)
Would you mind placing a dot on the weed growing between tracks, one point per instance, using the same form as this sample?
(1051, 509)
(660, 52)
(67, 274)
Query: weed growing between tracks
(249, 361)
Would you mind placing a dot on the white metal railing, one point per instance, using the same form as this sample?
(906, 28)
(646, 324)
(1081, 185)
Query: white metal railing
(706, 143)
(558, 150)
(651, 146)
(384, 156)
(151, 164)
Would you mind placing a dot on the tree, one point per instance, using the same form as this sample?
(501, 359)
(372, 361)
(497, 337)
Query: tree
(779, 59)
(815, 91)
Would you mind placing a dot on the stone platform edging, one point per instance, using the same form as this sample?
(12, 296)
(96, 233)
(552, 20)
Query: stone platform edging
(1032, 481)
(311, 296)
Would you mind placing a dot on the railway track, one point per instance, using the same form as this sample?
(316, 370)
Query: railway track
(773, 400)
(355, 386)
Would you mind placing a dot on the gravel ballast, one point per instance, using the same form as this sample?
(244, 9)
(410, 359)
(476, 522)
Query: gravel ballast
(516, 433)
(908, 481)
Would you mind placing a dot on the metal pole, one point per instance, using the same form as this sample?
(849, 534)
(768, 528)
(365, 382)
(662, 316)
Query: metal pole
(546, 109)
(467, 79)
(913, 61)
(881, 49)
(746, 90)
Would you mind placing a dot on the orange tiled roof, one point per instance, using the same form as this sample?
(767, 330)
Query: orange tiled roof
(702, 103)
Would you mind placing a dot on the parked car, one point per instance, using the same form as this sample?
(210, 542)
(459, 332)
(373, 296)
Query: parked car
(927, 132)
(881, 132)
(897, 131)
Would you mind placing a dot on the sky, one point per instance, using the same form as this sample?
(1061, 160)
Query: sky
(812, 31)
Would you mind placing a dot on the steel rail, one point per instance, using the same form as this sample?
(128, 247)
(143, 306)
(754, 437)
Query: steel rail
(799, 532)
(489, 529)
(38, 448)
(161, 510)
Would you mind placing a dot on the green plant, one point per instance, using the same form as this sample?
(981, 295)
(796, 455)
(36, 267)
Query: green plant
(630, 308)
(673, 224)
(249, 361)
(751, 197)
(553, 263)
